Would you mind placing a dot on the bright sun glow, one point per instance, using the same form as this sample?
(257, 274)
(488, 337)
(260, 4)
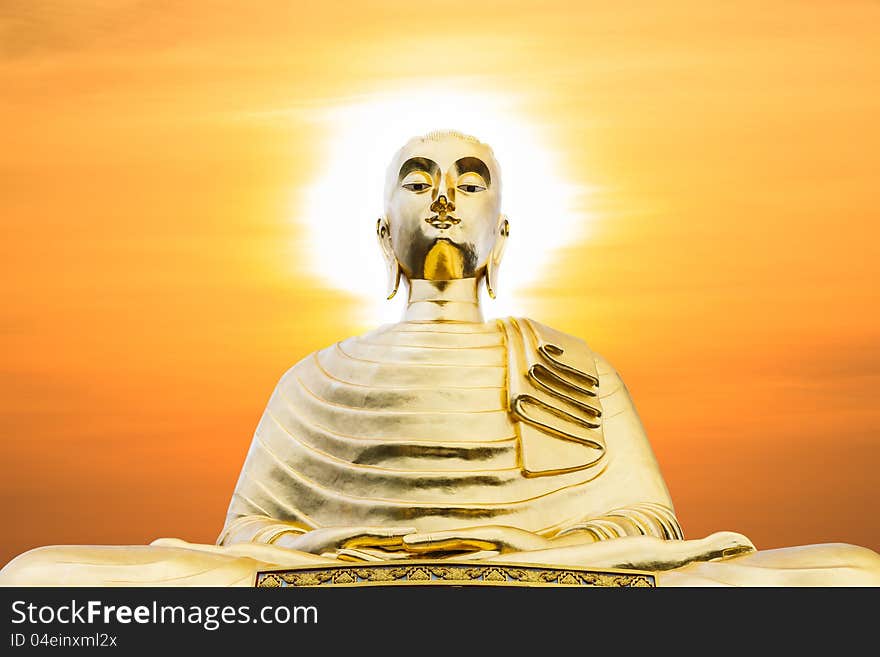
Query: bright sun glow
(346, 200)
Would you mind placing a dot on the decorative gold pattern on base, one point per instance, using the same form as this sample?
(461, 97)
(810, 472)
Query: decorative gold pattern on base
(444, 573)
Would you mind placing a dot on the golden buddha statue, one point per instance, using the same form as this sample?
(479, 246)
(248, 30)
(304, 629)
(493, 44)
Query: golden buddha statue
(446, 437)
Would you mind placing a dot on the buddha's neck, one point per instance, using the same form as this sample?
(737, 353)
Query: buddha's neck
(443, 301)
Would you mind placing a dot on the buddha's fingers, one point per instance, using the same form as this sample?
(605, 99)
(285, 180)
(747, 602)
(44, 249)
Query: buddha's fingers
(369, 554)
(393, 540)
(488, 538)
(462, 544)
(327, 539)
(357, 556)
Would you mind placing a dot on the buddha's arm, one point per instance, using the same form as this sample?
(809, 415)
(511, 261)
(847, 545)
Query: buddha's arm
(263, 529)
(258, 512)
(638, 501)
(320, 541)
(265, 504)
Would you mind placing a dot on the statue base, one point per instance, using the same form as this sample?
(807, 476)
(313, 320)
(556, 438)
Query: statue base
(449, 573)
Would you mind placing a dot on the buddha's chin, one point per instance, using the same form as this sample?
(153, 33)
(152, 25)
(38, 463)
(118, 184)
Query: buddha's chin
(448, 261)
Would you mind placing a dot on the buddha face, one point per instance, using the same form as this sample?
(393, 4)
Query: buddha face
(442, 208)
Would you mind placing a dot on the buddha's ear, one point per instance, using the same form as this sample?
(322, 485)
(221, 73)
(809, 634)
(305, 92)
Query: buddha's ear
(503, 230)
(392, 267)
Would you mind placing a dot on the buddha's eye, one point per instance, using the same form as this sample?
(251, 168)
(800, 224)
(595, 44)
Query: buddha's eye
(417, 186)
(471, 188)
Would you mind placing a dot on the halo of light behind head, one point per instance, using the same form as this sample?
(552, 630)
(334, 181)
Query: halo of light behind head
(347, 195)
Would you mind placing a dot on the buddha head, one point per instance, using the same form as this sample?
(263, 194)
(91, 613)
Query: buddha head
(443, 216)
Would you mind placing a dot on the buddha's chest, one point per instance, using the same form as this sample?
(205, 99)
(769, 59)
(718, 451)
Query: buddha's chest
(408, 422)
(405, 371)
(417, 396)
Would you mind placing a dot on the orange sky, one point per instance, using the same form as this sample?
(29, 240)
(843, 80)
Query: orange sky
(156, 285)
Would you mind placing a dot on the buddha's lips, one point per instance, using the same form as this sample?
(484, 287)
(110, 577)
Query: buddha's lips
(444, 222)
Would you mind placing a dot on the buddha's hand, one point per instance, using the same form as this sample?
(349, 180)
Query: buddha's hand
(329, 540)
(498, 539)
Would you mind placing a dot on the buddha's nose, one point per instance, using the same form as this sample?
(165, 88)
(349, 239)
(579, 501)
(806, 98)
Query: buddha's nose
(442, 205)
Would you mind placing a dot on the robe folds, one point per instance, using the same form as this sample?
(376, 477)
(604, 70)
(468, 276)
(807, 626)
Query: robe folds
(446, 425)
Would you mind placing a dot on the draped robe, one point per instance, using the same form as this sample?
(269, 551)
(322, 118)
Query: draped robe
(441, 425)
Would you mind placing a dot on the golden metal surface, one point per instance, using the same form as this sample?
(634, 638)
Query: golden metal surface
(447, 449)
(343, 443)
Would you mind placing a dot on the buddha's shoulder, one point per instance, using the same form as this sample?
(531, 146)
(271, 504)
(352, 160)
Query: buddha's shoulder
(340, 346)
(568, 349)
